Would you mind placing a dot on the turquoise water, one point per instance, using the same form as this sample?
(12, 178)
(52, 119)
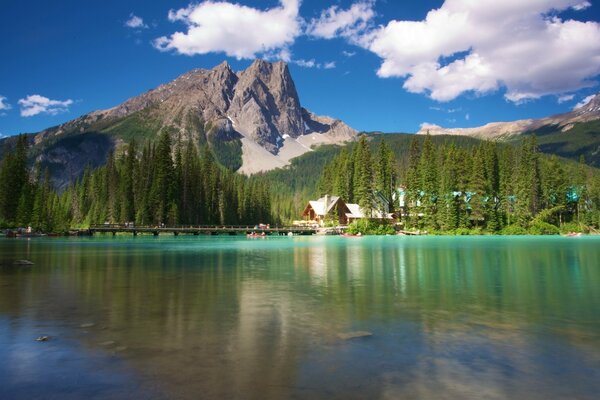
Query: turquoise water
(225, 317)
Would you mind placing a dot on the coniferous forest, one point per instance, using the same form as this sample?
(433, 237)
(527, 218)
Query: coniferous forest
(159, 183)
(446, 186)
(486, 188)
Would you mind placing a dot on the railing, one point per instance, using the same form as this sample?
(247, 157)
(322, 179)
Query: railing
(253, 227)
(196, 228)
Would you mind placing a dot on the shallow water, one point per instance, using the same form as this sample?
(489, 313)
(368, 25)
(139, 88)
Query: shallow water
(225, 317)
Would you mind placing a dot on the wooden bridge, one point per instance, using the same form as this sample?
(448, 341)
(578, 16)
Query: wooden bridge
(259, 230)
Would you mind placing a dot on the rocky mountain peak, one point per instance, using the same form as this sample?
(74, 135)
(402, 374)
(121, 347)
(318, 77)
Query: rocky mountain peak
(592, 107)
(257, 109)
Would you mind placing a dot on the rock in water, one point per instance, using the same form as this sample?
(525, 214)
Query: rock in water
(23, 262)
(354, 335)
(42, 338)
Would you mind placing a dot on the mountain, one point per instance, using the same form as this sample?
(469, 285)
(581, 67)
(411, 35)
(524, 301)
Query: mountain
(252, 120)
(571, 135)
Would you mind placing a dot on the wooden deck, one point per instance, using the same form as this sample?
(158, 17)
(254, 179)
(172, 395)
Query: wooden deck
(197, 230)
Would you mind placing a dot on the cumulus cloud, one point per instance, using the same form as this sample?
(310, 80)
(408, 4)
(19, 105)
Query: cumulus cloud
(349, 53)
(4, 106)
(36, 104)
(483, 46)
(349, 23)
(238, 31)
(135, 22)
(584, 102)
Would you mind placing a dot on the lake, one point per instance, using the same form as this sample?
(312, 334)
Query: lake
(300, 317)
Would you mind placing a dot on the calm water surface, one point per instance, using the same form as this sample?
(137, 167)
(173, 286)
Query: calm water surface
(237, 318)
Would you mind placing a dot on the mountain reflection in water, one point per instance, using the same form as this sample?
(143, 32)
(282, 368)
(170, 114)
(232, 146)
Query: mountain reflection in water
(190, 317)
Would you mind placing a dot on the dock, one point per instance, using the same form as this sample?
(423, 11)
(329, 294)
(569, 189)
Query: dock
(211, 230)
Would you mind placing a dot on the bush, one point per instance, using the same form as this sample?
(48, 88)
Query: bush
(543, 228)
(513, 230)
(571, 227)
(370, 227)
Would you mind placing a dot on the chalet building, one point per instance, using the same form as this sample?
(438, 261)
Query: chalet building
(327, 208)
(334, 209)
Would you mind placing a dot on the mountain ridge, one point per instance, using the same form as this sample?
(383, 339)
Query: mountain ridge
(506, 130)
(252, 117)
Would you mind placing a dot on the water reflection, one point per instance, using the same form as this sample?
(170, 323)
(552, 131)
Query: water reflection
(235, 318)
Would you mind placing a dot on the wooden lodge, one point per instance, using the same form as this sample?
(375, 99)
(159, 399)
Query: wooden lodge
(332, 209)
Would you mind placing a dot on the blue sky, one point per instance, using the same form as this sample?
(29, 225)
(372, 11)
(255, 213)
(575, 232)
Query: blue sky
(378, 65)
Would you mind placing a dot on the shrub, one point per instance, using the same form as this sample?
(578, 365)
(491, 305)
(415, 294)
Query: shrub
(513, 230)
(543, 228)
(370, 227)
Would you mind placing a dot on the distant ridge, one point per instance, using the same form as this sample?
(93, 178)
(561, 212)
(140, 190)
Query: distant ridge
(507, 130)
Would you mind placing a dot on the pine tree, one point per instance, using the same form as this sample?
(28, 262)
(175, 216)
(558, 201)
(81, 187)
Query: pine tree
(363, 176)
(413, 184)
(429, 183)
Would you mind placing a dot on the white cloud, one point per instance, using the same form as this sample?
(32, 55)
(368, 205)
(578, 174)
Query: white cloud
(313, 64)
(349, 53)
(4, 106)
(306, 63)
(426, 125)
(135, 22)
(582, 6)
(236, 30)
(565, 98)
(483, 46)
(584, 102)
(36, 104)
(349, 23)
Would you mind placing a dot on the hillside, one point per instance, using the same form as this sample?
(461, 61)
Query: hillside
(570, 135)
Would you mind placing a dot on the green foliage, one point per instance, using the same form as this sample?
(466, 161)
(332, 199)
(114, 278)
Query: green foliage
(543, 228)
(367, 226)
(514, 230)
(148, 187)
(483, 186)
(583, 139)
(228, 153)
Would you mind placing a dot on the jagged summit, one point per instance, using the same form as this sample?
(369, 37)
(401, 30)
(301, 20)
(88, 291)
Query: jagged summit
(255, 112)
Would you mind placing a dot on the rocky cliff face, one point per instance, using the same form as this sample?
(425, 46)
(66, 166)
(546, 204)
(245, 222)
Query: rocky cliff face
(255, 112)
(260, 103)
(507, 130)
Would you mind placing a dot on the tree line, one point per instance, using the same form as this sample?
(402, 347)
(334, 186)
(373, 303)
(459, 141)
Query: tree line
(161, 183)
(488, 187)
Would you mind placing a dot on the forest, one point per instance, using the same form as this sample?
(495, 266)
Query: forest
(448, 185)
(484, 188)
(160, 183)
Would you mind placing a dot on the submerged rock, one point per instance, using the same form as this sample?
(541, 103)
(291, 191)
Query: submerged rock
(23, 262)
(354, 335)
